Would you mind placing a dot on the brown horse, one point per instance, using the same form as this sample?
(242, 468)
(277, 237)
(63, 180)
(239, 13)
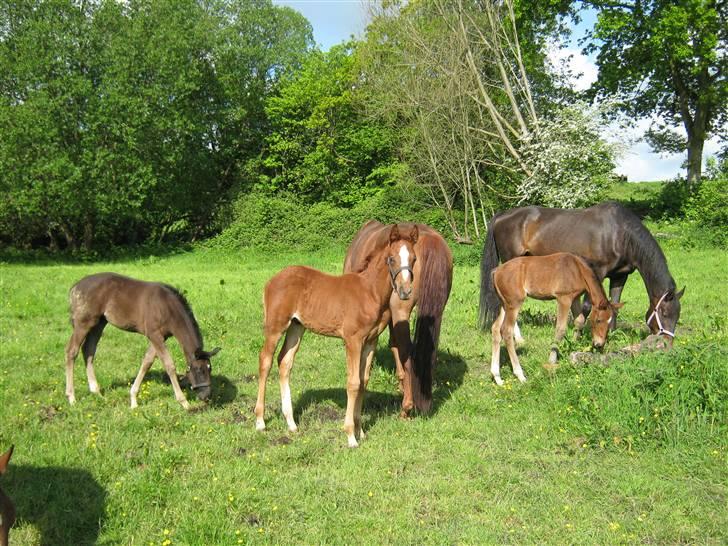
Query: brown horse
(430, 291)
(7, 508)
(561, 276)
(352, 307)
(612, 240)
(153, 309)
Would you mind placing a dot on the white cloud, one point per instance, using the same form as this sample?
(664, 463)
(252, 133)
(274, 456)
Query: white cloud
(581, 71)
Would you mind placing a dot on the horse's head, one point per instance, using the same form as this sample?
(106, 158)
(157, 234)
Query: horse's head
(400, 259)
(200, 373)
(601, 319)
(663, 314)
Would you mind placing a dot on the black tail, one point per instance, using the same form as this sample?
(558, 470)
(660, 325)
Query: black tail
(489, 302)
(434, 291)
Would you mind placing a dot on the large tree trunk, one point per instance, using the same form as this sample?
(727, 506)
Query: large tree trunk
(695, 160)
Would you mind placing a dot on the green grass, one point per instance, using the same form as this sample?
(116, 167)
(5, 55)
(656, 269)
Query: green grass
(632, 453)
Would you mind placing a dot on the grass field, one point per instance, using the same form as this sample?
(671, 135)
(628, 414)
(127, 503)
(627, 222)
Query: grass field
(632, 453)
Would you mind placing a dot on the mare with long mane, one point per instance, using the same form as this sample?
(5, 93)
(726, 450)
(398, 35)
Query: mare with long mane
(7, 508)
(561, 276)
(611, 239)
(352, 307)
(432, 273)
(153, 309)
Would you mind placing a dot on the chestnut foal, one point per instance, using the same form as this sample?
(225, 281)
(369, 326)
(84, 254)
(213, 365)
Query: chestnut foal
(353, 307)
(7, 508)
(561, 276)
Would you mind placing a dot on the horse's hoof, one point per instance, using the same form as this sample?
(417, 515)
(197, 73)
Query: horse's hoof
(353, 443)
(498, 381)
(259, 425)
(521, 378)
(551, 367)
(71, 400)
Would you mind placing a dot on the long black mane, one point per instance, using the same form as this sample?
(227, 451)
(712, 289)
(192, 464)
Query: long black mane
(188, 311)
(641, 249)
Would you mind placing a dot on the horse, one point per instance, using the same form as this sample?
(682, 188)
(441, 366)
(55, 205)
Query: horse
(561, 276)
(152, 309)
(430, 291)
(612, 240)
(352, 306)
(7, 508)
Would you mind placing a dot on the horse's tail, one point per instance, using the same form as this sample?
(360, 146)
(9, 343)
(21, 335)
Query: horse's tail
(434, 290)
(489, 303)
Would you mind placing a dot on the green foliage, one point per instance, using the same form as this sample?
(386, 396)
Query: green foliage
(125, 121)
(708, 207)
(320, 146)
(283, 221)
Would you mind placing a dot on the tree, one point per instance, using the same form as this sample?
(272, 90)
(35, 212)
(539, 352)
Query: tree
(669, 58)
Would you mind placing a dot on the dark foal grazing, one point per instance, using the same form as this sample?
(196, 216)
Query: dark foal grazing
(563, 277)
(7, 508)
(430, 291)
(612, 240)
(353, 307)
(152, 309)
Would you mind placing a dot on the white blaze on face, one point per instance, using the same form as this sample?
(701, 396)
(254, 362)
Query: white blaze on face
(609, 321)
(404, 262)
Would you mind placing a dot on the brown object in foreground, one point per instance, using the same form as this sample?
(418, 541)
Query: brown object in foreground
(7, 508)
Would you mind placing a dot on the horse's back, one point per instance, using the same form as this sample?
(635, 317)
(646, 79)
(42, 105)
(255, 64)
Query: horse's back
(540, 277)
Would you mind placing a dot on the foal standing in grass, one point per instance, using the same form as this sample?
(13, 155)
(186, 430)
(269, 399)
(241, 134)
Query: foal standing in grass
(153, 309)
(561, 276)
(353, 307)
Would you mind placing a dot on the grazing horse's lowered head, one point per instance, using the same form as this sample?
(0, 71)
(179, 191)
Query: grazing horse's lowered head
(200, 372)
(663, 314)
(600, 319)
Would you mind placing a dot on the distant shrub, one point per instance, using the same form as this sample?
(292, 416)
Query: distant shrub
(708, 207)
(282, 221)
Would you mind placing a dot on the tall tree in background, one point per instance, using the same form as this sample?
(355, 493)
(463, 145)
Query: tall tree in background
(667, 58)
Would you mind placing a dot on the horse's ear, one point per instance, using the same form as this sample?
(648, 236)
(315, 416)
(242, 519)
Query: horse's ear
(680, 294)
(5, 459)
(213, 352)
(604, 304)
(616, 306)
(414, 234)
(394, 233)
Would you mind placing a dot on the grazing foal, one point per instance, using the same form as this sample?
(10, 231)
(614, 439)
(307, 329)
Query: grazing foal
(353, 307)
(153, 309)
(7, 508)
(561, 276)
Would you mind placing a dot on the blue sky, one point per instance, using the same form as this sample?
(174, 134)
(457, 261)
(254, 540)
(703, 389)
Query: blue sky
(335, 21)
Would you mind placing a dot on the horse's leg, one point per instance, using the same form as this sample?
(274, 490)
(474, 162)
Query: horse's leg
(89, 350)
(161, 349)
(7, 510)
(400, 341)
(579, 318)
(147, 362)
(616, 285)
(80, 330)
(517, 333)
(365, 369)
(562, 319)
(511, 314)
(495, 346)
(285, 363)
(353, 384)
(265, 361)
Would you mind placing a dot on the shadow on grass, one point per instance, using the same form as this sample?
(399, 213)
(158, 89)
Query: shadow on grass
(223, 390)
(449, 374)
(66, 505)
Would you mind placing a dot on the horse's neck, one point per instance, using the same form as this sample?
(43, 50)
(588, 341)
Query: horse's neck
(186, 334)
(650, 261)
(376, 276)
(593, 286)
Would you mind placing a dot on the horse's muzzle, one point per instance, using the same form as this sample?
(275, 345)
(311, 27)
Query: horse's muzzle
(404, 295)
(203, 392)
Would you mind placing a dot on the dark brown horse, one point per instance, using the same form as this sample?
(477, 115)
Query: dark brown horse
(352, 307)
(7, 508)
(563, 277)
(430, 290)
(153, 309)
(611, 239)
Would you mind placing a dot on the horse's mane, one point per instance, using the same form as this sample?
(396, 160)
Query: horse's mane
(642, 248)
(188, 311)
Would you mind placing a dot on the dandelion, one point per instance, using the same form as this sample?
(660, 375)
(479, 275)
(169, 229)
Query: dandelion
(371, 494)
(165, 532)
(614, 526)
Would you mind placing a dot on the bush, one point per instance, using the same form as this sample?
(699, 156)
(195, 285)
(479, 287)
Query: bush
(283, 221)
(708, 207)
